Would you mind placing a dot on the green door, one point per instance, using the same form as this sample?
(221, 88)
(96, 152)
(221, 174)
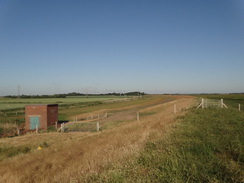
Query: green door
(34, 120)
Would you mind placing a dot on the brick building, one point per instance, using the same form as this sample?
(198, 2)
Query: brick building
(43, 115)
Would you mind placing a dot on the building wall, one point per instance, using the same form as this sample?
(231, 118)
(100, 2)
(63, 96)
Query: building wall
(47, 114)
(52, 114)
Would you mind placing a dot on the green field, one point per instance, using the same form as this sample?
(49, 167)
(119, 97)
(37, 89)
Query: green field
(203, 145)
(12, 112)
(9, 103)
(207, 145)
(231, 100)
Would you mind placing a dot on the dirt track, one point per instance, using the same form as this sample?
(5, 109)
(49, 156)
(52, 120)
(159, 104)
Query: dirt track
(130, 114)
(122, 114)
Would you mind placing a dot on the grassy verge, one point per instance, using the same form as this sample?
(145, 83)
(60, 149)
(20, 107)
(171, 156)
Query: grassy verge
(205, 146)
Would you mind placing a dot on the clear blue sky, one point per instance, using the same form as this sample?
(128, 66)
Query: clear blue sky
(98, 46)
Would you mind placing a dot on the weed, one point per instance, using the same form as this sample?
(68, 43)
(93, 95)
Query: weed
(51, 129)
(44, 145)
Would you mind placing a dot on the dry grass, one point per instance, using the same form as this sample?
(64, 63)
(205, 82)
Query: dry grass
(8, 125)
(73, 156)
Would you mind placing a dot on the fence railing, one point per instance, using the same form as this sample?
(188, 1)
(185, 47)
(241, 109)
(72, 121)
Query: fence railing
(212, 103)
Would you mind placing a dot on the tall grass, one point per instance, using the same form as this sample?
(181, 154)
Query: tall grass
(205, 146)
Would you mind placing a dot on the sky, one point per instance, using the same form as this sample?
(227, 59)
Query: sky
(102, 46)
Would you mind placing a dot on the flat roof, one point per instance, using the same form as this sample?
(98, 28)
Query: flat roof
(42, 104)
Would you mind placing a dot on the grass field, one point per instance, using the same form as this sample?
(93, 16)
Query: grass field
(67, 157)
(9, 103)
(12, 114)
(207, 145)
(232, 100)
(193, 145)
(11, 119)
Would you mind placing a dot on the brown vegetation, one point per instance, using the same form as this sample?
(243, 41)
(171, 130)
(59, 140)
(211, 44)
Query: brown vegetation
(72, 156)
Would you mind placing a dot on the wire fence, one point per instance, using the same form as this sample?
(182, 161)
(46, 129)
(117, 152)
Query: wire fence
(81, 127)
(212, 103)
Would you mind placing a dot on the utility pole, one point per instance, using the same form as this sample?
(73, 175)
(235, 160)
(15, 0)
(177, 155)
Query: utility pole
(18, 91)
(86, 93)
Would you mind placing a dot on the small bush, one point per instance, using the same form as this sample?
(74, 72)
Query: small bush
(44, 145)
(51, 129)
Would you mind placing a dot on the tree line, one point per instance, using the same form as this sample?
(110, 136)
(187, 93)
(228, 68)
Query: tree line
(136, 93)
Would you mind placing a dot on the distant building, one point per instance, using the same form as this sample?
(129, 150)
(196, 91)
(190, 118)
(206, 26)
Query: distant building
(41, 115)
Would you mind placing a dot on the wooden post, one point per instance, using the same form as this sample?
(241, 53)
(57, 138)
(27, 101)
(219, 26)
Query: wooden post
(239, 107)
(138, 116)
(199, 105)
(62, 127)
(36, 128)
(175, 110)
(18, 132)
(202, 103)
(98, 127)
(56, 125)
(222, 104)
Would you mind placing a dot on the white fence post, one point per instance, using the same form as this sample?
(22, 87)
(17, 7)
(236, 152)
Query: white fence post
(175, 110)
(98, 127)
(239, 107)
(138, 116)
(36, 128)
(222, 104)
(201, 104)
(62, 127)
